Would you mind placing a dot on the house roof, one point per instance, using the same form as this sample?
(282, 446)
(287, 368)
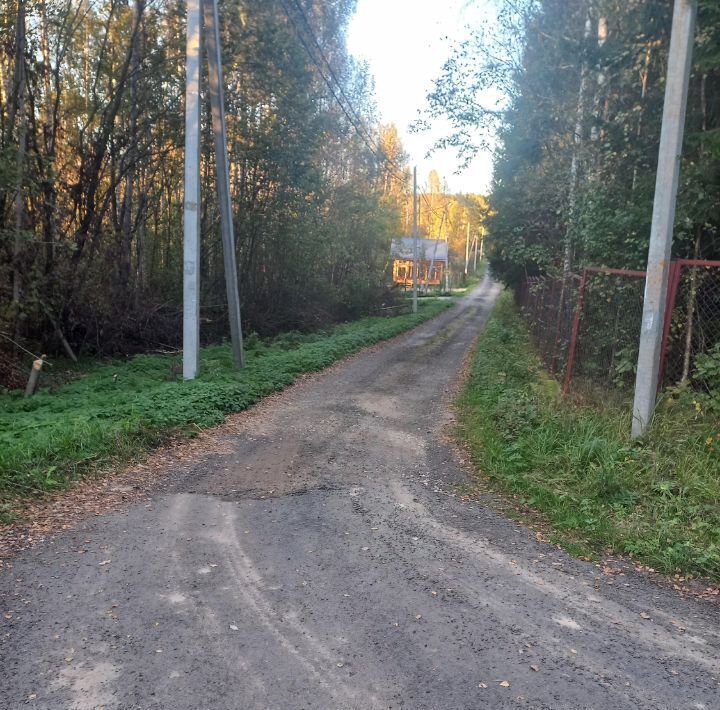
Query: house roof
(428, 249)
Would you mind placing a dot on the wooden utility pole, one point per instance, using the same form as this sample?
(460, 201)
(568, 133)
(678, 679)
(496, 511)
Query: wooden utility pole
(666, 186)
(415, 244)
(191, 245)
(217, 106)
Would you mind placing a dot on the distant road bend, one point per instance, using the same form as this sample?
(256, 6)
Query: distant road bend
(321, 560)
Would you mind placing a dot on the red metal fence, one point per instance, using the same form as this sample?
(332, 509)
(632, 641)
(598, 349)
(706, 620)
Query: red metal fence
(549, 307)
(692, 320)
(587, 328)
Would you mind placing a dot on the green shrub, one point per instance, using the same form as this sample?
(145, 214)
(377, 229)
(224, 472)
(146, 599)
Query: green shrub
(117, 408)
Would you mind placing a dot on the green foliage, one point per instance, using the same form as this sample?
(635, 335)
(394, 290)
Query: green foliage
(706, 378)
(707, 367)
(577, 117)
(113, 410)
(658, 500)
(102, 175)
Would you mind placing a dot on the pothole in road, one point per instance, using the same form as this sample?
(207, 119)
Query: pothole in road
(255, 494)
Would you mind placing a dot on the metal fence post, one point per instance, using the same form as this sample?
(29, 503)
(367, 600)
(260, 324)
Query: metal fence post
(575, 332)
(558, 325)
(673, 287)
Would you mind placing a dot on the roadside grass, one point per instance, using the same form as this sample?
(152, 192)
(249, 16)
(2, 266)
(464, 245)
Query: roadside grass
(657, 500)
(113, 410)
(471, 280)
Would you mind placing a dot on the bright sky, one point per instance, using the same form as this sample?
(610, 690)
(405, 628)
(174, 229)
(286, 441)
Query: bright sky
(405, 43)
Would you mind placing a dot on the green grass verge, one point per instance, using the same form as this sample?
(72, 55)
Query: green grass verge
(115, 409)
(472, 279)
(657, 500)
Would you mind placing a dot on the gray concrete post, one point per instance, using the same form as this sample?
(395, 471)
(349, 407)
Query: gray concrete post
(656, 284)
(415, 244)
(191, 207)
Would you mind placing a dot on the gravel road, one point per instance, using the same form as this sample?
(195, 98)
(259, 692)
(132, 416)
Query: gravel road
(319, 559)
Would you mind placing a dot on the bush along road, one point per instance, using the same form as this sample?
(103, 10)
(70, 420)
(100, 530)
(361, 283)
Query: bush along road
(108, 412)
(320, 558)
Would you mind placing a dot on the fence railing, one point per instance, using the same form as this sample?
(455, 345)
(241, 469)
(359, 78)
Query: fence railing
(587, 327)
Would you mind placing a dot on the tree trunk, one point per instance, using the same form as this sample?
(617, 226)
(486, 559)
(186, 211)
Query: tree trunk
(644, 77)
(131, 153)
(21, 120)
(575, 162)
(692, 299)
(48, 182)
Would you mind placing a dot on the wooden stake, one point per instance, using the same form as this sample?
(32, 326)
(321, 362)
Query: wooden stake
(34, 378)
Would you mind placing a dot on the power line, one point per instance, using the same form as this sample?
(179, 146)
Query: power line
(350, 112)
(433, 210)
(327, 81)
(319, 68)
(354, 119)
(315, 40)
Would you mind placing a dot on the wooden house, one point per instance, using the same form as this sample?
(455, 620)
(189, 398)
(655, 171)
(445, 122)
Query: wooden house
(432, 261)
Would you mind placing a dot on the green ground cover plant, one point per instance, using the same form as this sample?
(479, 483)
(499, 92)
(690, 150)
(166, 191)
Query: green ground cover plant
(115, 409)
(657, 499)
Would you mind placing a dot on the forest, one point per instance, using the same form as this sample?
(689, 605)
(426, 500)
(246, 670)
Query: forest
(570, 95)
(91, 175)
(576, 131)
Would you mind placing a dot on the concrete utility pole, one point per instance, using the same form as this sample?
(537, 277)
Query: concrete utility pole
(191, 209)
(467, 247)
(415, 244)
(191, 245)
(447, 263)
(671, 140)
(217, 106)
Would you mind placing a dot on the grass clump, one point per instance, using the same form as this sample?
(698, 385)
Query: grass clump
(115, 409)
(657, 499)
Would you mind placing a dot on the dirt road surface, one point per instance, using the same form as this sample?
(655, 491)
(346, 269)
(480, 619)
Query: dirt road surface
(320, 559)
